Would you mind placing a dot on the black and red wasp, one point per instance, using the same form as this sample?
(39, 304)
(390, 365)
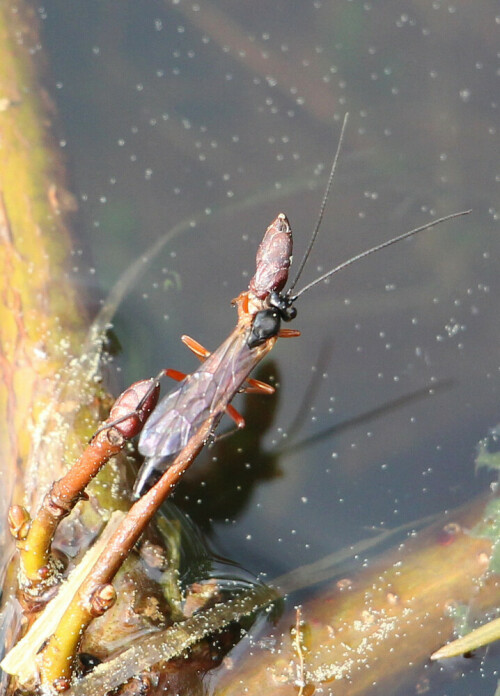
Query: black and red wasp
(205, 395)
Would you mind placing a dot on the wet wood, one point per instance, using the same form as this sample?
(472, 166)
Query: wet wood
(379, 627)
(42, 324)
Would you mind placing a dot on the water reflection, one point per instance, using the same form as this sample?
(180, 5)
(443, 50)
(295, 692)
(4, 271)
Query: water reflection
(176, 109)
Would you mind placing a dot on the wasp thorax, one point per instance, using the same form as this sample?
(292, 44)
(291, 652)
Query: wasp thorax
(266, 325)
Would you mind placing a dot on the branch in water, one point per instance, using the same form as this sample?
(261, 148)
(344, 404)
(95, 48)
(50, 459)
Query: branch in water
(39, 569)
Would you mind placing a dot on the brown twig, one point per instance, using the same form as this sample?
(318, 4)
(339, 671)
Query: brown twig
(20, 661)
(128, 414)
(96, 595)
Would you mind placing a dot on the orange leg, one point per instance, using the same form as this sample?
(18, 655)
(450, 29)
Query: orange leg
(235, 416)
(288, 333)
(200, 352)
(175, 374)
(255, 386)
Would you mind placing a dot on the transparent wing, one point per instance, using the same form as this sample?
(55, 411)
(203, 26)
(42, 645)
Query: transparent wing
(202, 395)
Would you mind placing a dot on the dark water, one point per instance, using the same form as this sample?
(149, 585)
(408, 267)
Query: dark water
(172, 110)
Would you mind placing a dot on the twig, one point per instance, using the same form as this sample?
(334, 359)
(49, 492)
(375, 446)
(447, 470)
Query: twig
(39, 569)
(96, 594)
(21, 659)
(171, 642)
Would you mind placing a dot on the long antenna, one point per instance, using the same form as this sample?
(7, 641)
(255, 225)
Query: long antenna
(322, 208)
(378, 247)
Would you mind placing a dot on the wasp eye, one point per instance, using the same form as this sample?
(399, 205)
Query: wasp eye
(265, 325)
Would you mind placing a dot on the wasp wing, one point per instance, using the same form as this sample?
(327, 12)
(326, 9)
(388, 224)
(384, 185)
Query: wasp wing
(202, 396)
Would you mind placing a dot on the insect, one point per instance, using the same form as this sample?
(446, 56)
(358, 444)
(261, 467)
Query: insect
(182, 423)
(205, 395)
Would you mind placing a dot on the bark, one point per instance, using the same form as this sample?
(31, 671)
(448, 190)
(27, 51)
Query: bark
(366, 633)
(49, 398)
(41, 322)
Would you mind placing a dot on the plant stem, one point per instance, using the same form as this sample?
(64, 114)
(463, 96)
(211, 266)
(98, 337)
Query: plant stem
(58, 656)
(38, 568)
